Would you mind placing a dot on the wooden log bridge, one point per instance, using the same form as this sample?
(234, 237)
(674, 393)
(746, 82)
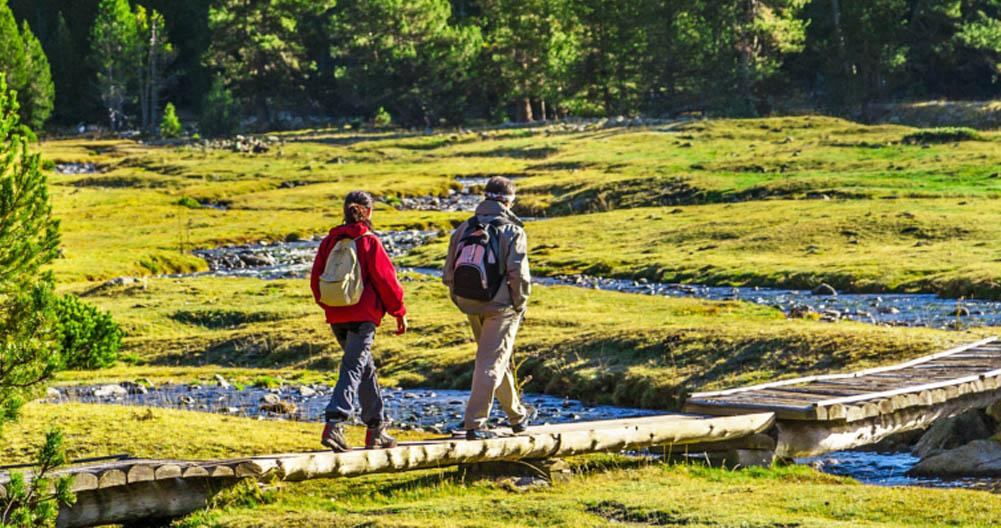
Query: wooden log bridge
(802, 416)
(833, 412)
(130, 491)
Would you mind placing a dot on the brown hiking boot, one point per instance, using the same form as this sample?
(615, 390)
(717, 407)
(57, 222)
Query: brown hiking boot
(333, 437)
(377, 438)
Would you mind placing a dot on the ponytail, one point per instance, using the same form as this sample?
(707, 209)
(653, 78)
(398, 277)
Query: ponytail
(355, 205)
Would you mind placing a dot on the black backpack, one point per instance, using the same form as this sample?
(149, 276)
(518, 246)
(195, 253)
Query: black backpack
(479, 270)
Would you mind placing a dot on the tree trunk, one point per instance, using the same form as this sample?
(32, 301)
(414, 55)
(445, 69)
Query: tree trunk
(542, 109)
(154, 83)
(526, 109)
(745, 48)
(839, 37)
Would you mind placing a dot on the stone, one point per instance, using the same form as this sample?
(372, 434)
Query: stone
(994, 411)
(53, 393)
(134, 388)
(825, 289)
(110, 391)
(270, 399)
(306, 391)
(953, 432)
(979, 458)
(282, 407)
(222, 381)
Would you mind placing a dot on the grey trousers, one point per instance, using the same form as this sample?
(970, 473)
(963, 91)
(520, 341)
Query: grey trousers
(492, 375)
(357, 378)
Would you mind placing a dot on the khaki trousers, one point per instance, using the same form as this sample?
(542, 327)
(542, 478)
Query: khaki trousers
(492, 376)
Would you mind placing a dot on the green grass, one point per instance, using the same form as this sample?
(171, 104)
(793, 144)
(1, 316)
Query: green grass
(605, 489)
(601, 346)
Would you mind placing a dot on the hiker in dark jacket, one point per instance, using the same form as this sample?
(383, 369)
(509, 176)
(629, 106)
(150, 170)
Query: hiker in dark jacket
(487, 273)
(354, 325)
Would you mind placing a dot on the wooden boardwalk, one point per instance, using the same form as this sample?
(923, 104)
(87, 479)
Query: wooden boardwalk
(127, 491)
(795, 417)
(830, 412)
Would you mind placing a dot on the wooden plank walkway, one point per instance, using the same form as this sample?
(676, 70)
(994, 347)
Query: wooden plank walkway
(923, 382)
(833, 412)
(124, 491)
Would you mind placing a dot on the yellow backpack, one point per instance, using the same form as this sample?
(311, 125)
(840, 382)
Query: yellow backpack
(341, 282)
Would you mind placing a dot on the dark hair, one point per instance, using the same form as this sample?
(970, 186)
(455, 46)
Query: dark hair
(499, 185)
(355, 204)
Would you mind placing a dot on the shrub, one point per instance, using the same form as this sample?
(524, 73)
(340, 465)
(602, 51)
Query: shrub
(89, 338)
(37, 502)
(170, 125)
(49, 165)
(219, 116)
(942, 135)
(382, 118)
(189, 202)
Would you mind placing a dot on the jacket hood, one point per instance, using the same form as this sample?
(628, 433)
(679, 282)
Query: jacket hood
(354, 230)
(493, 208)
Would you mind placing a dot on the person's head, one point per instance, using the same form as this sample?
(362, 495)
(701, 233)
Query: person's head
(500, 189)
(358, 207)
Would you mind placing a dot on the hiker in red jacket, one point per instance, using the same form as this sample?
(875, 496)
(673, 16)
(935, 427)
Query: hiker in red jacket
(360, 282)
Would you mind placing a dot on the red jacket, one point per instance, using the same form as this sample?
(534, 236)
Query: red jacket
(383, 293)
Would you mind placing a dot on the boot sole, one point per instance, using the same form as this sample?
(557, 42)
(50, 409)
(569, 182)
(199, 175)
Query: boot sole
(334, 446)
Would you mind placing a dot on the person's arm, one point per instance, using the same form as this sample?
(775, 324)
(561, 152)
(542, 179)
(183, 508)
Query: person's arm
(319, 263)
(383, 276)
(519, 279)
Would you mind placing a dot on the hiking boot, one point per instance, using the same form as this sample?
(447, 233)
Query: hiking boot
(480, 434)
(377, 438)
(333, 437)
(522, 426)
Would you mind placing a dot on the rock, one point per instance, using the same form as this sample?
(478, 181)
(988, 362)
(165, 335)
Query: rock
(222, 381)
(184, 399)
(979, 458)
(255, 260)
(954, 432)
(825, 289)
(994, 411)
(134, 388)
(306, 391)
(52, 393)
(281, 407)
(801, 311)
(270, 399)
(110, 391)
(891, 310)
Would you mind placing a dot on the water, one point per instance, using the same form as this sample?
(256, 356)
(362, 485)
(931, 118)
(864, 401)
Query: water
(76, 168)
(282, 260)
(295, 259)
(435, 411)
(465, 199)
(888, 469)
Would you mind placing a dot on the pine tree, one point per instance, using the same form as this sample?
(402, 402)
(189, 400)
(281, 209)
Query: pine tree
(155, 53)
(39, 93)
(170, 127)
(219, 113)
(29, 239)
(113, 50)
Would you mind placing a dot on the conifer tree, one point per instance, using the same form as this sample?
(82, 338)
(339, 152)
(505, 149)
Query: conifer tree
(29, 238)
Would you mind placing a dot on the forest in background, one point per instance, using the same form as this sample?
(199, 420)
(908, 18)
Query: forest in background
(433, 62)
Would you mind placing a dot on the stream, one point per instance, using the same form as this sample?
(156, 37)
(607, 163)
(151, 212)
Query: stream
(440, 412)
(294, 259)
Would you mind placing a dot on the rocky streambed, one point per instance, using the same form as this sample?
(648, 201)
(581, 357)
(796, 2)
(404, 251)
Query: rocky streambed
(436, 411)
(294, 259)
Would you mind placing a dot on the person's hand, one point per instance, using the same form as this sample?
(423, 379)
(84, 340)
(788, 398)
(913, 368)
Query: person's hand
(402, 325)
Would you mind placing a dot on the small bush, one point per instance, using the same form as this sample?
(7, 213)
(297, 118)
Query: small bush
(49, 165)
(219, 319)
(90, 338)
(170, 125)
(189, 202)
(382, 118)
(219, 113)
(942, 135)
